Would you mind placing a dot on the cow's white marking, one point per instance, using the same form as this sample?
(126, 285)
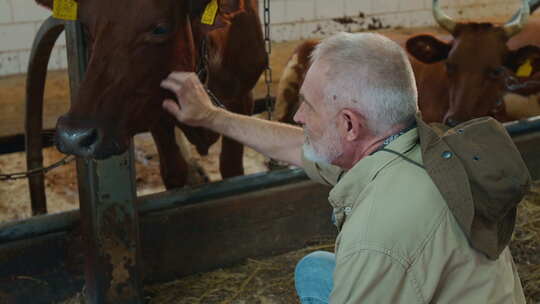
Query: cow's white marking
(289, 80)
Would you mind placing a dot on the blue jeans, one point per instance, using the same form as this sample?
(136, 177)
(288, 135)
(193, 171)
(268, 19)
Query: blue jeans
(313, 277)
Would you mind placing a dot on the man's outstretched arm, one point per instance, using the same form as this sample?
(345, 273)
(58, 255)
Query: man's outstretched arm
(276, 140)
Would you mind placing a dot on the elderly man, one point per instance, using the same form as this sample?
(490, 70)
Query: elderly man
(398, 240)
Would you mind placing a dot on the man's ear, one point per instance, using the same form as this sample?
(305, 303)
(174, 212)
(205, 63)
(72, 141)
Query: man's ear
(428, 49)
(524, 61)
(351, 123)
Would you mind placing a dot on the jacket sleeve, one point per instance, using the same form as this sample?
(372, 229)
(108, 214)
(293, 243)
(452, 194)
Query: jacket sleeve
(373, 276)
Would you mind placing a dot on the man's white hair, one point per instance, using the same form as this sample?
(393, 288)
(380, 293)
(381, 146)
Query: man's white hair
(371, 74)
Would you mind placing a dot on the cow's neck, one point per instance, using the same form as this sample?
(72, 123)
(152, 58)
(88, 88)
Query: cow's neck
(184, 57)
(198, 38)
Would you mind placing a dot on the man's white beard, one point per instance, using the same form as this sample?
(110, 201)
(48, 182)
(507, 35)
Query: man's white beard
(312, 155)
(329, 147)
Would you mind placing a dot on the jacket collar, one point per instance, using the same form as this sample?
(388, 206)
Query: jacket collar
(354, 181)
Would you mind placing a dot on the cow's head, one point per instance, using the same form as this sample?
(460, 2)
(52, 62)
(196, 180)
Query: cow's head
(477, 62)
(133, 46)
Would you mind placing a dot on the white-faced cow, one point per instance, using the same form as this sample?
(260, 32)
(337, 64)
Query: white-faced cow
(134, 45)
(457, 80)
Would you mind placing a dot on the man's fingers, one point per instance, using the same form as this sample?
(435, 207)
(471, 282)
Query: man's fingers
(185, 79)
(172, 107)
(193, 106)
(181, 76)
(174, 86)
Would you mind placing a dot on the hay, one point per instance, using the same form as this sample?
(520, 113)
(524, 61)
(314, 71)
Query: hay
(264, 281)
(271, 280)
(525, 245)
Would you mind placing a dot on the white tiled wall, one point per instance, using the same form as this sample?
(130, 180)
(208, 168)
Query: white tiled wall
(19, 23)
(295, 19)
(291, 20)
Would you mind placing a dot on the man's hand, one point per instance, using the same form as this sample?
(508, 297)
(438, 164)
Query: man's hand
(277, 140)
(194, 107)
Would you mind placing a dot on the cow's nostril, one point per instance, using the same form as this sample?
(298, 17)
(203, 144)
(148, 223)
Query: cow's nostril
(81, 142)
(89, 139)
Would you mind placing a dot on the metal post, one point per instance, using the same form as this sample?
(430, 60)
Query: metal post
(108, 216)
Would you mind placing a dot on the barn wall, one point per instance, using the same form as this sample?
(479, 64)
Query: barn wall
(19, 23)
(291, 19)
(300, 19)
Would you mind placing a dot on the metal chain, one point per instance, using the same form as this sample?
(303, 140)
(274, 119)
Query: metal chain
(202, 62)
(272, 163)
(512, 83)
(202, 72)
(268, 48)
(37, 171)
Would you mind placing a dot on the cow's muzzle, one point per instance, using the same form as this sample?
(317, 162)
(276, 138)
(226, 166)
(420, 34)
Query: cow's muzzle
(83, 139)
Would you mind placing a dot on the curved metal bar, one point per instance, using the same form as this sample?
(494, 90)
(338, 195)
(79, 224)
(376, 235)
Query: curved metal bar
(524, 126)
(42, 47)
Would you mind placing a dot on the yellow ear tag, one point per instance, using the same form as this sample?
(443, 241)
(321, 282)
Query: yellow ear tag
(210, 12)
(525, 70)
(65, 9)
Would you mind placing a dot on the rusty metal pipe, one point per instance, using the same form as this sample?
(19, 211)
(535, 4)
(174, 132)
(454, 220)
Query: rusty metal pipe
(42, 47)
(109, 219)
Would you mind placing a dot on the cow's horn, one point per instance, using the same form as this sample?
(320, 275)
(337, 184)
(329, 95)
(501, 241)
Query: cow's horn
(515, 25)
(444, 20)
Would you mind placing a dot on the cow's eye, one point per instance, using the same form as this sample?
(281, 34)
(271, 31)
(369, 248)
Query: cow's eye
(161, 30)
(159, 33)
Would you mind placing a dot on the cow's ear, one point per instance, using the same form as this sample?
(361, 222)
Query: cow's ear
(524, 61)
(45, 3)
(223, 12)
(48, 3)
(427, 48)
(196, 7)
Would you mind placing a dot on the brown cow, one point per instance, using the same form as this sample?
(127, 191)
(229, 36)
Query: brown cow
(456, 80)
(134, 45)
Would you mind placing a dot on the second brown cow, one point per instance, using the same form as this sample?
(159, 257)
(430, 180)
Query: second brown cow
(457, 80)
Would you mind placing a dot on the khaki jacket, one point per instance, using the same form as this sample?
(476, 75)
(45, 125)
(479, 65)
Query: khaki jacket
(398, 241)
